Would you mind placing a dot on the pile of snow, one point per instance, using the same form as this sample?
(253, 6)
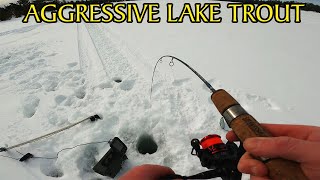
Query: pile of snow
(56, 74)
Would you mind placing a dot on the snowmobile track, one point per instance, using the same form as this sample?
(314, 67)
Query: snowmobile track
(114, 60)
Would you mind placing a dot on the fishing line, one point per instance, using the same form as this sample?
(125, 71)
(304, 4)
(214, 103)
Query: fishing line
(10, 157)
(171, 63)
(57, 156)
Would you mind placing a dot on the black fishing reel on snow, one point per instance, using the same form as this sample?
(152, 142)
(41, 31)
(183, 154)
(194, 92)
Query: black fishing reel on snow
(221, 158)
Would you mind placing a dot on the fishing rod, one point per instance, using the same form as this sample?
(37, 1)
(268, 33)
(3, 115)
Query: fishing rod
(244, 126)
(91, 118)
(171, 63)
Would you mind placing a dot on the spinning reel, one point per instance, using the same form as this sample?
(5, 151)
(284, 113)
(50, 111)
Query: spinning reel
(221, 158)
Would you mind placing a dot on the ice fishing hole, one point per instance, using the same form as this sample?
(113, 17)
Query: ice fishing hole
(117, 80)
(49, 169)
(146, 144)
(55, 173)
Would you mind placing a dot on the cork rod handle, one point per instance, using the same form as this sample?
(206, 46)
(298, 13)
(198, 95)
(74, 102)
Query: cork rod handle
(245, 126)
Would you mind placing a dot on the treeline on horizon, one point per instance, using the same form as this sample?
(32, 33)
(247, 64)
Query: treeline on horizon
(21, 8)
(307, 7)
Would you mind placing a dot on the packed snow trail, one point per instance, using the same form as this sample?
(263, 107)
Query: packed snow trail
(113, 59)
(136, 116)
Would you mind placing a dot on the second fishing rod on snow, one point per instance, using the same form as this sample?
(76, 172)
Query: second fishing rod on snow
(245, 126)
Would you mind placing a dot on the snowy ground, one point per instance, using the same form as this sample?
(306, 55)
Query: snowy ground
(55, 74)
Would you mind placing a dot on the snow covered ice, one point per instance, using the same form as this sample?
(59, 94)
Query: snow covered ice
(52, 75)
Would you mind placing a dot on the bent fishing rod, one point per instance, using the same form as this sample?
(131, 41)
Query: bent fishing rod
(244, 126)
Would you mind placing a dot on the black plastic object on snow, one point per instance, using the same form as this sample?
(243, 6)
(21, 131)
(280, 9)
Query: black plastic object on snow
(26, 157)
(112, 161)
(94, 117)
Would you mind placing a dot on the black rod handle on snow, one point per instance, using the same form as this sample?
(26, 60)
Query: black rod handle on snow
(245, 126)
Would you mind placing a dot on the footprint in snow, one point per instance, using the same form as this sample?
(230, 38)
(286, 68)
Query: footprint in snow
(35, 86)
(51, 84)
(117, 80)
(49, 168)
(180, 82)
(30, 105)
(70, 100)
(127, 85)
(52, 118)
(71, 65)
(7, 57)
(4, 59)
(80, 93)
(41, 60)
(105, 85)
(52, 54)
(59, 99)
(35, 55)
(76, 78)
